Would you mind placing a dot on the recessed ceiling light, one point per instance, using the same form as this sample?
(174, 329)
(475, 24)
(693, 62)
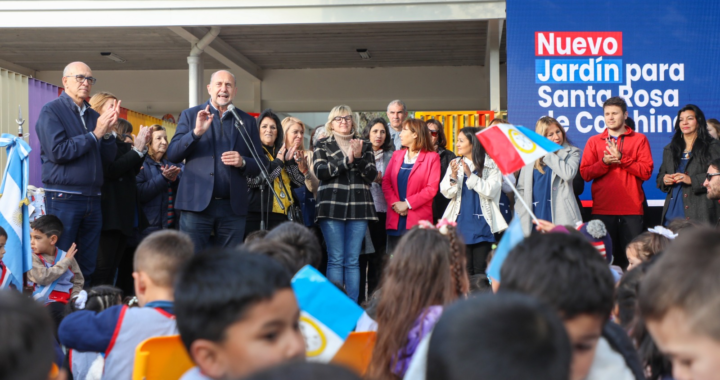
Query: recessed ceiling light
(113, 57)
(363, 53)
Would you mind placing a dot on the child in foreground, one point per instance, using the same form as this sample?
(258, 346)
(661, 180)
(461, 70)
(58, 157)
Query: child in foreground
(55, 273)
(521, 339)
(566, 273)
(237, 314)
(26, 333)
(426, 273)
(680, 305)
(648, 244)
(118, 330)
(89, 365)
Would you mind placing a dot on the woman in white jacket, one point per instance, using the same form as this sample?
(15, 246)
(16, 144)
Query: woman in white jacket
(547, 184)
(473, 186)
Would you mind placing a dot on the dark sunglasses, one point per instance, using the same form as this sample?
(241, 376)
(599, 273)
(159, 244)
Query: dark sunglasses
(434, 133)
(708, 176)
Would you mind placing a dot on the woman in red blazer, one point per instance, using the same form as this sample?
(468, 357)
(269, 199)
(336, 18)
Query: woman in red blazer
(410, 181)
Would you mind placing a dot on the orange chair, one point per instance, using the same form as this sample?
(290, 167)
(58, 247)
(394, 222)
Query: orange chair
(357, 351)
(162, 357)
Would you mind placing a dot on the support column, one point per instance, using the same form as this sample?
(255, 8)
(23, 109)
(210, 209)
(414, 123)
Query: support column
(195, 80)
(492, 62)
(196, 67)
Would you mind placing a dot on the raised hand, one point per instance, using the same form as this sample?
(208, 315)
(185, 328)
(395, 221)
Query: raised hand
(290, 153)
(356, 147)
(612, 149)
(142, 138)
(301, 161)
(466, 169)
(454, 169)
(170, 172)
(107, 120)
(203, 121)
(281, 153)
(72, 251)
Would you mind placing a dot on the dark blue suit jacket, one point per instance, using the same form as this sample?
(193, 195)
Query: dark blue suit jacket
(196, 185)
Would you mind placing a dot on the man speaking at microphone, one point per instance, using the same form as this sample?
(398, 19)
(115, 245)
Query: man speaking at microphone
(212, 194)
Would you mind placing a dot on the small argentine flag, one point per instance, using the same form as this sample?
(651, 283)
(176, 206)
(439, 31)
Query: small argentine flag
(513, 146)
(14, 210)
(327, 316)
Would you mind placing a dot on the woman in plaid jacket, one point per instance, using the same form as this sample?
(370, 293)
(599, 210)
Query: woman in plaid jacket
(345, 166)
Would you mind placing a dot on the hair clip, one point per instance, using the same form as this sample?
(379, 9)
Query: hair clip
(425, 224)
(443, 224)
(660, 230)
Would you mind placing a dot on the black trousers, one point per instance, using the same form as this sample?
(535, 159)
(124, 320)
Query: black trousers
(622, 229)
(371, 264)
(477, 255)
(110, 253)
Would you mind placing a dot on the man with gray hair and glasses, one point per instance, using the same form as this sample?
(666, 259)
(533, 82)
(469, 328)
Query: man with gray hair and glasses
(75, 143)
(396, 113)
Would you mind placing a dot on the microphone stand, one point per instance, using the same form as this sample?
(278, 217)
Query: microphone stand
(263, 171)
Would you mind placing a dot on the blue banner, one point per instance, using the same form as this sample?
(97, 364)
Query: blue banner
(566, 57)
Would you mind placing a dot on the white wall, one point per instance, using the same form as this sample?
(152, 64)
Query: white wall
(312, 90)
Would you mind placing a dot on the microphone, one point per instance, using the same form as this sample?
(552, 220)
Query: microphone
(237, 117)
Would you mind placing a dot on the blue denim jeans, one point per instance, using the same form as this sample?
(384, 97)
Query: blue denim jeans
(218, 217)
(344, 240)
(81, 217)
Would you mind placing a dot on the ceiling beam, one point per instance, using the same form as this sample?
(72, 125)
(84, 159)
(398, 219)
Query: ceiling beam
(17, 68)
(220, 50)
(74, 13)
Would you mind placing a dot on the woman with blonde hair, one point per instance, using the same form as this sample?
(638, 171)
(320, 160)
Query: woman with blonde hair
(157, 183)
(121, 214)
(345, 166)
(547, 184)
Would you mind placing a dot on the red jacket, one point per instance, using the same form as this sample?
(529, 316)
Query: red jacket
(422, 186)
(617, 189)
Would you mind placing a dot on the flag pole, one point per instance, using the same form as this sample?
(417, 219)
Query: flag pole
(520, 198)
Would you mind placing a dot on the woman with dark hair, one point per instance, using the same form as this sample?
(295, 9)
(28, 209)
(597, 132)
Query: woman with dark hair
(473, 186)
(683, 169)
(437, 132)
(283, 172)
(378, 133)
(413, 175)
(425, 274)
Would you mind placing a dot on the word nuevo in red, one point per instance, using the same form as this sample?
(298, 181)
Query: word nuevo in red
(578, 43)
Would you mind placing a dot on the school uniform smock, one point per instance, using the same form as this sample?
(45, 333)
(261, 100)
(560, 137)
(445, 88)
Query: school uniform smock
(471, 223)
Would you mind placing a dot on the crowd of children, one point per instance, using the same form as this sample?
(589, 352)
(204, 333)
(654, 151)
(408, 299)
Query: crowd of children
(558, 311)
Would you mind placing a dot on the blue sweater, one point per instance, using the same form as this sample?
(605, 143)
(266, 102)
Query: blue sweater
(152, 190)
(86, 330)
(71, 155)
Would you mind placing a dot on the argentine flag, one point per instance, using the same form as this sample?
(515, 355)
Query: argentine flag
(14, 210)
(327, 316)
(514, 146)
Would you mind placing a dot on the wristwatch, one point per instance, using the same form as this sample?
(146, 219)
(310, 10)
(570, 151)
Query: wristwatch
(107, 136)
(453, 180)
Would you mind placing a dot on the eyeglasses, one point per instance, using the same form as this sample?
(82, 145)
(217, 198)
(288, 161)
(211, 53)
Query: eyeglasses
(340, 119)
(708, 176)
(433, 133)
(83, 78)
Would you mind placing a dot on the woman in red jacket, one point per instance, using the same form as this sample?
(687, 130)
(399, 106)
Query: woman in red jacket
(410, 181)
